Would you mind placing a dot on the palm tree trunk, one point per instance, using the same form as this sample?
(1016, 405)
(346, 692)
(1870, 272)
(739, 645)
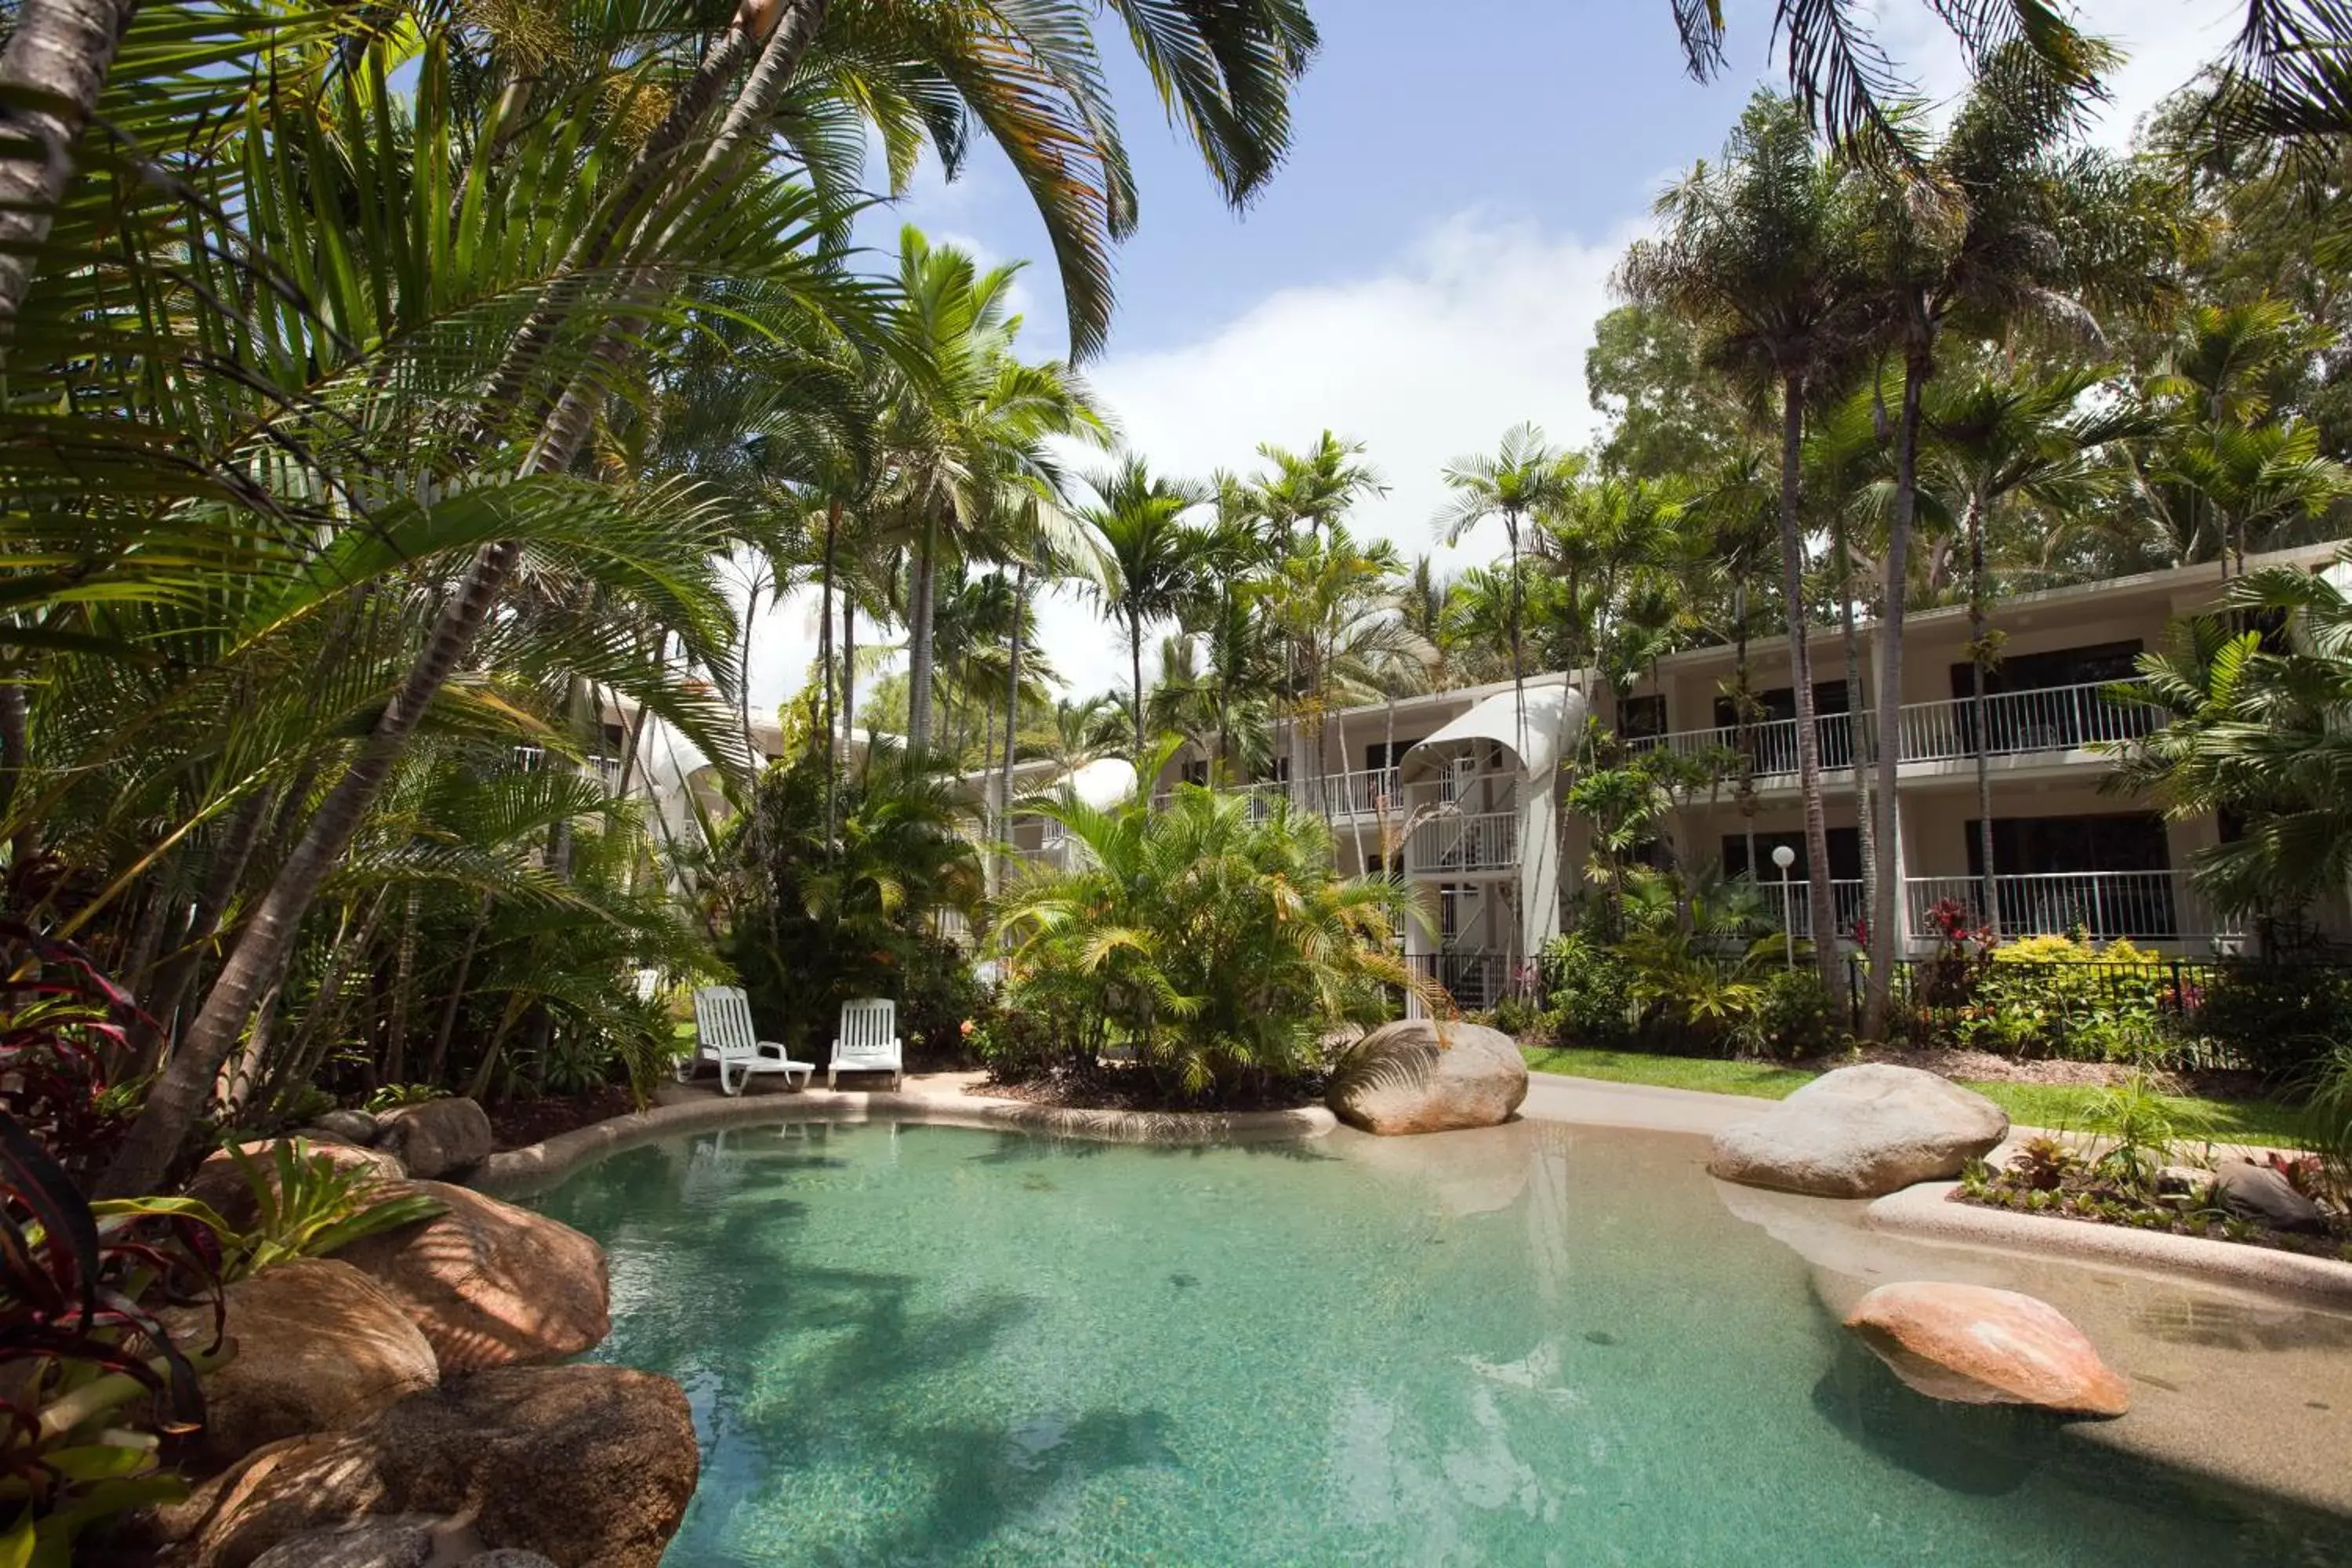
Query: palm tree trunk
(440, 1059)
(1135, 659)
(1857, 721)
(1879, 994)
(1742, 725)
(1002, 854)
(1979, 654)
(169, 992)
(1819, 901)
(51, 72)
(848, 668)
(920, 593)
(16, 762)
(824, 662)
(177, 1097)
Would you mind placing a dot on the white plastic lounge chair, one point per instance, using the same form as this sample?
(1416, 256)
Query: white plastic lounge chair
(868, 1040)
(722, 1022)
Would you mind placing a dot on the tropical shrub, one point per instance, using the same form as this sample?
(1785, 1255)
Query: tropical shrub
(306, 1205)
(1794, 1018)
(61, 1020)
(1218, 948)
(814, 918)
(2282, 1020)
(1586, 1000)
(2063, 995)
(90, 1384)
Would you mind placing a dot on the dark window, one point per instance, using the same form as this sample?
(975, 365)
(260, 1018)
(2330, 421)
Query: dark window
(1642, 716)
(1387, 753)
(1845, 855)
(2031, 846)
(614, 737)
(1775, 750)
(2040, 866)
(1197, 772)
(2088, 665)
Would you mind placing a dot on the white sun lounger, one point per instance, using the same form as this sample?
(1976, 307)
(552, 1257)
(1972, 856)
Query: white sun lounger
(868, 1041)
(722, 1023)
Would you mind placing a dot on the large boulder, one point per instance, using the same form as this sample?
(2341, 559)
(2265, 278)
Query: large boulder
(219, 1183)
(2260, 1193)
(1861, 1133)
(436, 1138)
(1407, 1078)
(1975, 1345)
(319, 1347)
(350, 1126)
(589, 1466)
(488, 1283)
(391, 1544)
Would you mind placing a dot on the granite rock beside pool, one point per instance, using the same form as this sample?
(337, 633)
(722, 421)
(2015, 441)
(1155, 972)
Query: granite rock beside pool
(1861, 1133)
(1415, 1076)
(1976, 1345)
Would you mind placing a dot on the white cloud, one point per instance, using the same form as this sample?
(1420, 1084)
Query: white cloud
(2165, 44)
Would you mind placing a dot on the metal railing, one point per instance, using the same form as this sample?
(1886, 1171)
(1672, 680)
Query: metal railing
(1485, 841)
(1477, 980)
(2052, 719)
(2156, 905)
(1794, 905)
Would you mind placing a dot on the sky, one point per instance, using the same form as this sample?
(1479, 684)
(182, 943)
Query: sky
(1426, 269)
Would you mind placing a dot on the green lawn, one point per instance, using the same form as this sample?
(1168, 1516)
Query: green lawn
(2029, 1104)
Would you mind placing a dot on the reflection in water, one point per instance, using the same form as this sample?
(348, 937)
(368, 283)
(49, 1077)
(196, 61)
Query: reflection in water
(1530, 1345)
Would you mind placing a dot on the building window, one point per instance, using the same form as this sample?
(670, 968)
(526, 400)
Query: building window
(1775, 748)
(1639, 718)
(2093, 664)
(1384, 754)
(1845, 855)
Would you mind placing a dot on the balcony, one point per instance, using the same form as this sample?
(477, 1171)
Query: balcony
(2145, 906)
(2053, 718)
(1483, 841)
(1477, 980)
(1794, 906)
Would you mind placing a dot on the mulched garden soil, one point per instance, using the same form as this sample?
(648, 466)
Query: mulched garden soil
(1114, 1091)
(519, 1124)
(1985, 1067)
(2337, 1245)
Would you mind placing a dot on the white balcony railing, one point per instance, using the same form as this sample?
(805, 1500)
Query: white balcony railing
(2142, 905)
(2053, 719)
(1474, 979)
(1793, 904)
(1485, 841)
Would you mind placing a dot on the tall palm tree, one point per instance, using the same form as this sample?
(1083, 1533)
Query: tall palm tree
(555, 295)
(1525, 475)
(1153, 557)
(1315, 486)
(1758, 249)
(2034, 437)
(1969, 229)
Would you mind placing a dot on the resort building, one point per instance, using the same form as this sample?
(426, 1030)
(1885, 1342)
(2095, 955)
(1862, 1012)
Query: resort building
(1461, 792)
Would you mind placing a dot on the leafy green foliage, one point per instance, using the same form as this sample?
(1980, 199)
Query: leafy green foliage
(90, 1381)
(306, 1205)
(813, 920)
(1217, 947)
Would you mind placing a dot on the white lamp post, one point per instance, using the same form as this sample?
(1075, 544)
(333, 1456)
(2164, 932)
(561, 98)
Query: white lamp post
(1784, 858)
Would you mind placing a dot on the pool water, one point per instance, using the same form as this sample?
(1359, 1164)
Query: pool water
(1539, 1344)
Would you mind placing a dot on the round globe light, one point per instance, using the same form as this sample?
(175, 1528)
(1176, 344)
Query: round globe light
(1783, 857)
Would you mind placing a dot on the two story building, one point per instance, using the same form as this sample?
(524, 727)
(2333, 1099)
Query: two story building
(1462, 793)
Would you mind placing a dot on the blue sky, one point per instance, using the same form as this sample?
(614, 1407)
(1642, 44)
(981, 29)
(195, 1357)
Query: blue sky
(1426, 269)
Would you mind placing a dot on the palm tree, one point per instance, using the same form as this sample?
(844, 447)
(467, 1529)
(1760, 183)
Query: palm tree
(1969, 230)
(1152, 553)
(485, 315)
(1758, 249)
(2032, 437)
(1317, 487)
(967, 441)
(1524, 474)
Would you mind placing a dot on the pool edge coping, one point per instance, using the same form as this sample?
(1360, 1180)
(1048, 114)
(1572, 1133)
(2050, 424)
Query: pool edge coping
(533, 1168)
(1923, 1211)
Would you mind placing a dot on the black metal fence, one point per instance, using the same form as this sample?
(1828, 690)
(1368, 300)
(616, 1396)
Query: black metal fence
(2258, 1014)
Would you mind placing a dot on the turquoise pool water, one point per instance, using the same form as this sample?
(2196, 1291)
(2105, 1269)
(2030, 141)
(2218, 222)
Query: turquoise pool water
(1535, 1345)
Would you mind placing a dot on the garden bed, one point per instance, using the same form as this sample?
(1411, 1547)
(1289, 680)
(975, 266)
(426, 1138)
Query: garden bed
(519, 1123)
(1124, 1088)
(2050, 1180)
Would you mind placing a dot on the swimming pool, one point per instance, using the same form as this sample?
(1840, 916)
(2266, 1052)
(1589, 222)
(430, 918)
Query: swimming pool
(1534, 1344)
